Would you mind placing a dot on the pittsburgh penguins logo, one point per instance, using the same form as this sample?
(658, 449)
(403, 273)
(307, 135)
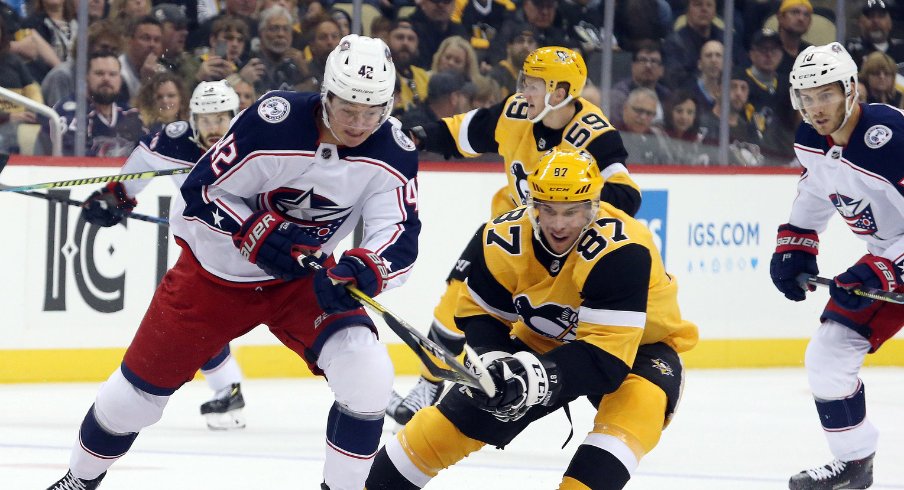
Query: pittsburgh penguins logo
(520, 174)
(663, 367)
(549, 319)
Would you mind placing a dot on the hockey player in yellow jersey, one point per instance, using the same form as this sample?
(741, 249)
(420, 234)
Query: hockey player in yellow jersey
(567, 297)
(547, 111)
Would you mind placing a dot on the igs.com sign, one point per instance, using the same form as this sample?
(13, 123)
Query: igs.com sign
(723, 246)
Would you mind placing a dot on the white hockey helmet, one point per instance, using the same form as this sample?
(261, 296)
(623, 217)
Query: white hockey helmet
(211, 98)
(821, 65)
(360, 70)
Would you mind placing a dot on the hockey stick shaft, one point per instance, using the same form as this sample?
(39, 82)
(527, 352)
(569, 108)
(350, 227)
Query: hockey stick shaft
(418, 342)
(872, 293)
(72, 202)
(99, 180)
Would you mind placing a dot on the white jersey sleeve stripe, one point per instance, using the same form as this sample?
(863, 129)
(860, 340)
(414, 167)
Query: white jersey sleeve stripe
(616, 318)
(613, 169)
(463, 133)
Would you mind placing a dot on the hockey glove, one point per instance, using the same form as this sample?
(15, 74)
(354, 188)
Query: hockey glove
(795, 253)
(358, 267)
(522, 380)
(108, 205)
(870, 271)
(267, 241)
(417, 135)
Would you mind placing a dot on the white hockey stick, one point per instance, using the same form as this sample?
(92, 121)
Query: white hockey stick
(420, 343)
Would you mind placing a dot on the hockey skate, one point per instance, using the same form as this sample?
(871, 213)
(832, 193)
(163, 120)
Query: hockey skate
(424, 394)
(835, 475)
(70, 482)
(224, 412)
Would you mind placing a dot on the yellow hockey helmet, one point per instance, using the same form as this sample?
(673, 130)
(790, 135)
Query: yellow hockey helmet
(567, 179)
(566, 176)
(555, 65)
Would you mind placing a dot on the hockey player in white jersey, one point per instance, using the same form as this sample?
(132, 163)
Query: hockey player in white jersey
(851, 156)
(293, 174)
(182, 143)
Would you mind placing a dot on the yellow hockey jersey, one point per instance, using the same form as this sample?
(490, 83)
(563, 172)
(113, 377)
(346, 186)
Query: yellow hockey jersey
(610, 292)
(505, 129)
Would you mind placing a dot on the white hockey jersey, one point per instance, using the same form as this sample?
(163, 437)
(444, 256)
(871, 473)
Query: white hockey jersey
(171, 147)
(863, 181)
(271, 158)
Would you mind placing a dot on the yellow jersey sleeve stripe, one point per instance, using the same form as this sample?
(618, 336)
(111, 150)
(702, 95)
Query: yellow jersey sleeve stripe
(505, 315)
(615, 318)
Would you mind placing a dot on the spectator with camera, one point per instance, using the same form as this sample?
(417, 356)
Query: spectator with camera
(284, 67)
(226, 53)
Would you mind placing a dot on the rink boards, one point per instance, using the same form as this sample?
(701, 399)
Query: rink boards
(72, 295)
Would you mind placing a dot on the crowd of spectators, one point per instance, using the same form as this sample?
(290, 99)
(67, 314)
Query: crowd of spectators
(451, 56)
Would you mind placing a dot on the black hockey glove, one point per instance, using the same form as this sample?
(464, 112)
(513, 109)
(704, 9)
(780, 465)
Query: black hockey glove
(417, 135)
(870, 271)
(108, 205)
(522, 380)
(795, 253)
(267, 241)
(359, 267)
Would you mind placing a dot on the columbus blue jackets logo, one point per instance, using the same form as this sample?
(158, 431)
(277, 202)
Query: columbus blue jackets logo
(549, 319)
(857, 214)
(320, 216)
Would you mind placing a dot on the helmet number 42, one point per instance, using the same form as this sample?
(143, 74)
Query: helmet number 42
(366, 72)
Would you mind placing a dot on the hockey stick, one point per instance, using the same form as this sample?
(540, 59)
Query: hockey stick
(72, 202)
(99, 180)
(872, 293)
(419, 343)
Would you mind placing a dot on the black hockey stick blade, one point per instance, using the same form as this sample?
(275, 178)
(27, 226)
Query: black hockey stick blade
(872, 293)
(99, 180)
(420, 343)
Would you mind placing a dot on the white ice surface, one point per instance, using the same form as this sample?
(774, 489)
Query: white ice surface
(735, 429)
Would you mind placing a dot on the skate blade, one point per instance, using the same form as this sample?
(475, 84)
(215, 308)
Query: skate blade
(231, 420)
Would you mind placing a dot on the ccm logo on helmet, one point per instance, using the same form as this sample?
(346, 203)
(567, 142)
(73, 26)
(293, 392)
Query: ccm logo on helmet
(558, 189)
(256, 233)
